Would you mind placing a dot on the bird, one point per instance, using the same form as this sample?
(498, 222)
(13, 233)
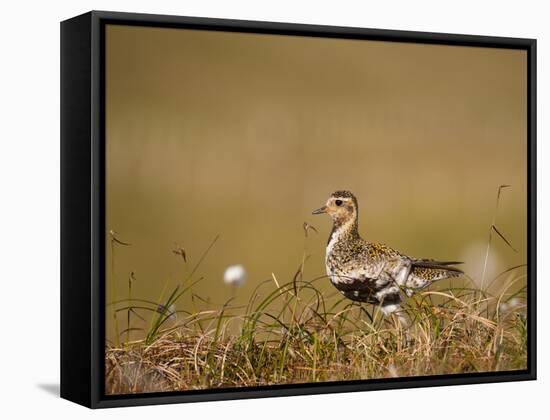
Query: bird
(372, 272)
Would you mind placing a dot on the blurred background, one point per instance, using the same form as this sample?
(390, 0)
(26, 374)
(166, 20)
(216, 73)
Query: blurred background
(243, 135)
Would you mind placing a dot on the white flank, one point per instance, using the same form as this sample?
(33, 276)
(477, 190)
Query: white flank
(389, 309)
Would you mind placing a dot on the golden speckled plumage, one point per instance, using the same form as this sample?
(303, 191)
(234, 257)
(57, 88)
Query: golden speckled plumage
(371, 272)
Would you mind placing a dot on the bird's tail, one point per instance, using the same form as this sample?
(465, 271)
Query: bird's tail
(438, 265)
(423, 272)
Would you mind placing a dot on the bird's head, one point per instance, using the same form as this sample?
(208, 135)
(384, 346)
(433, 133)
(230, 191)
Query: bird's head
(341, 206)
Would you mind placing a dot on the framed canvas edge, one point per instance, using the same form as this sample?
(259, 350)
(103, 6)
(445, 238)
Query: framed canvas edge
(96, 332)
(75, 216)
(312, 389)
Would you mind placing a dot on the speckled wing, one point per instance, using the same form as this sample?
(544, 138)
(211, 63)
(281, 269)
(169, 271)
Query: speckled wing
(358, 269)
(425, 271)
(377, 258)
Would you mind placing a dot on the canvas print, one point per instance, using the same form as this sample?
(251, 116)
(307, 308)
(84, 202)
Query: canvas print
(289, 210)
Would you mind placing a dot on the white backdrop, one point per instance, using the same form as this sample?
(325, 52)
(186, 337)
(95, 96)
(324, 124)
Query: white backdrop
(29, 169)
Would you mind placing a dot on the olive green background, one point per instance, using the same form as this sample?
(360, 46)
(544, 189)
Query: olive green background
(243, 135)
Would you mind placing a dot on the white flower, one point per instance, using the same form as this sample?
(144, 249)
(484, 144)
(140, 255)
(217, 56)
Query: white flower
(235, 275)
(514, 302)
(170, 312)
(511, 305)
(393, 371)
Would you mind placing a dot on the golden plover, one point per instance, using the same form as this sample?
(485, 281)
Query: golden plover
(369, 272)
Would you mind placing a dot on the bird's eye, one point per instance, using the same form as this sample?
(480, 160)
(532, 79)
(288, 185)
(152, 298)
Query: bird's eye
(338, 202)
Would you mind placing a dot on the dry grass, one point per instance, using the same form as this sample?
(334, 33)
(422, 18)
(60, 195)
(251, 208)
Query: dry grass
(292, 334)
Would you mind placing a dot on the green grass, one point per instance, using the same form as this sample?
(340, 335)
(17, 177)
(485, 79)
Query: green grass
(291, 333)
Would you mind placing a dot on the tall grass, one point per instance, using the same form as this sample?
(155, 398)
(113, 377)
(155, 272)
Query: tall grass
(291, 332)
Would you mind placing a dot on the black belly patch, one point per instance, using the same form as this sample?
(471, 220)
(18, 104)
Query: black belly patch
(365, 290)
(360, 290)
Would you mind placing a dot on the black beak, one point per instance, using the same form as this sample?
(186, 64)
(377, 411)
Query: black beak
(320, 211)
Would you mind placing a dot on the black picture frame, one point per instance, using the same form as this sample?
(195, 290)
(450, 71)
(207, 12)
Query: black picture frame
(83, 198)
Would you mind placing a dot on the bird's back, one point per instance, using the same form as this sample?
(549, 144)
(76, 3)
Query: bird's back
(368, 261)
(355, 257)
